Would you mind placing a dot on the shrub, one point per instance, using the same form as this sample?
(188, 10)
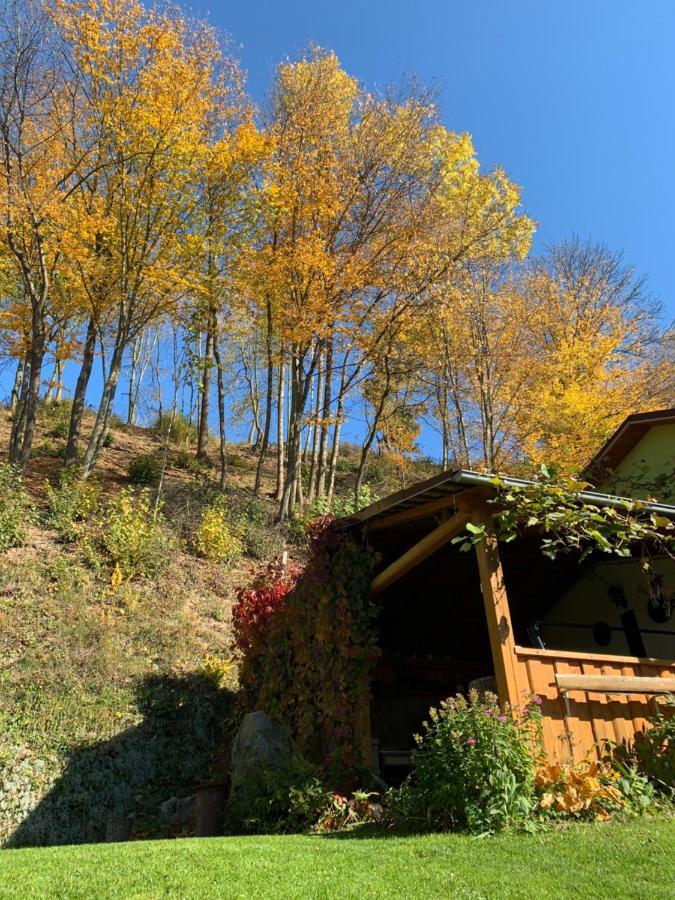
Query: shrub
(582, 790)
(474, 768)
(262, 539)
(343, 813)
(217, 669)
(145, 469)
(282, 800)
(56, 417)
(217, 537)
(15, 508)
(655, 750)
(186, 460)
(132, 537)
(51, 449)
(176, 428)
(71, 503)
(345, 505)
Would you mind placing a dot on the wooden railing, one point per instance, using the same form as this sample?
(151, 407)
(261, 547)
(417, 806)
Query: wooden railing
(575, 721)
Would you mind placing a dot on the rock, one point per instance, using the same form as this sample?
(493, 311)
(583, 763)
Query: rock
(179, 812)
(260, 743)
(167, 810)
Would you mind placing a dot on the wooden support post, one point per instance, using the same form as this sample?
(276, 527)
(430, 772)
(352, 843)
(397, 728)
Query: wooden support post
(500, 629)
(419, 552)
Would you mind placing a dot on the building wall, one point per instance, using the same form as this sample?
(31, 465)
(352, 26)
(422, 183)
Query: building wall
(653, 455)
(589, 601)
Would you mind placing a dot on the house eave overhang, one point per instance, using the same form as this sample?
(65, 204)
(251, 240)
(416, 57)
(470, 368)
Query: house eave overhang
(455, 482)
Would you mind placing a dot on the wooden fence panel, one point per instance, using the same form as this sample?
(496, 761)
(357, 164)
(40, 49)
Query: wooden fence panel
(576, 725)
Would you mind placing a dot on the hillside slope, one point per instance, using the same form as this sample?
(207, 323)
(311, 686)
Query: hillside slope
(106, 699)
(116, 686)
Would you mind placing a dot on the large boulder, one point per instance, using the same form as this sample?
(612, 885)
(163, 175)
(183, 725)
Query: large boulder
(260, 744)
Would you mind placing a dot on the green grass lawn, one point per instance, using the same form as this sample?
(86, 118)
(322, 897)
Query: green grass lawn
(635, 859)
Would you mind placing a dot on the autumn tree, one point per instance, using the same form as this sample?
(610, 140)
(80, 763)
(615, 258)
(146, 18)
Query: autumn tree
(370, 203)
(37, 177)
(152, 79)
(598, 352)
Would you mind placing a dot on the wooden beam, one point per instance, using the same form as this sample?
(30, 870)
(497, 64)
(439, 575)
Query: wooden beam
(415, 512)
(419, 552)
(616, 684)
(497, 611)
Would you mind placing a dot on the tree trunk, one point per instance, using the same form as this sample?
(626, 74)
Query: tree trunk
(268, 402)
(311, 490)
(301, 381)
(32, 396)
(280, 433)
(80, 394)
(221, 408)
(135, 355)
(203, 433)
(58, 396)
(18, 415)
(325, 417)
(102, 422)
(16, 387)
(332, 468)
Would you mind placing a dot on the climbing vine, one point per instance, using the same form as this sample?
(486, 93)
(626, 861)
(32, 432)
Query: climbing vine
(569, 523)
(307, 642)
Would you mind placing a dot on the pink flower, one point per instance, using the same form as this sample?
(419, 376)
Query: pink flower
(471, 741)
(501, 718)
(537, 699)
(488, 712)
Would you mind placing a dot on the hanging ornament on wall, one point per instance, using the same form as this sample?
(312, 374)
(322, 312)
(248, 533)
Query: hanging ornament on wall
(659, 606)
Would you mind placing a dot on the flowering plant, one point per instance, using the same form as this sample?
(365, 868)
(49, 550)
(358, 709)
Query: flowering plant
(474, 767)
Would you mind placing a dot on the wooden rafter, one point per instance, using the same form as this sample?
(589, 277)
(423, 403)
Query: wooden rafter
(431, 542)
(415, 512)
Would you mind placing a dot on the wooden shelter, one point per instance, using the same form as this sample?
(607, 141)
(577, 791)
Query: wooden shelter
(450, 618)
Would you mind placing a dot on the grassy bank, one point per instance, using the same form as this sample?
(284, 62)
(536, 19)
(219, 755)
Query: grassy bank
(635, 859)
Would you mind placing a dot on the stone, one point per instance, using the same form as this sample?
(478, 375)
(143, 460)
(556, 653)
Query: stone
(179, 812)
(260, 743)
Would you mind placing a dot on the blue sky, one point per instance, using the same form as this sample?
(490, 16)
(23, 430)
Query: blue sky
(575, 98)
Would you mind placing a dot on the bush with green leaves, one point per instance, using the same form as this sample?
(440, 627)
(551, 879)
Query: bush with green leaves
(71, 504)
(474, 767)
(186, 460)
(145, 469)
(56, 417)
(176, 428)
(345, 505)
(16, 511)
(132, 537)
(280, 800)
(349, 504)
(262, 538)
(655, 750)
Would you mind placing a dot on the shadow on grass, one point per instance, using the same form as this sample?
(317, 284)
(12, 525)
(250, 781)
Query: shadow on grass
(107, 787)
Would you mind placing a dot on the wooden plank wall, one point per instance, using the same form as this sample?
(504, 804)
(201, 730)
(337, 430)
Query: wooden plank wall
(592, 716)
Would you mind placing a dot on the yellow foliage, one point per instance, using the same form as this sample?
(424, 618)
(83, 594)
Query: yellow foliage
(217, 669)
(217, 539)
(578, 788)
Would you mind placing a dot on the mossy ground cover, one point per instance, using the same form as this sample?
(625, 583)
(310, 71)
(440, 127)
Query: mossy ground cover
(634, 859)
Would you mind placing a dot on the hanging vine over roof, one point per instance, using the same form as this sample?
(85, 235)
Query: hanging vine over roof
(571, 523)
